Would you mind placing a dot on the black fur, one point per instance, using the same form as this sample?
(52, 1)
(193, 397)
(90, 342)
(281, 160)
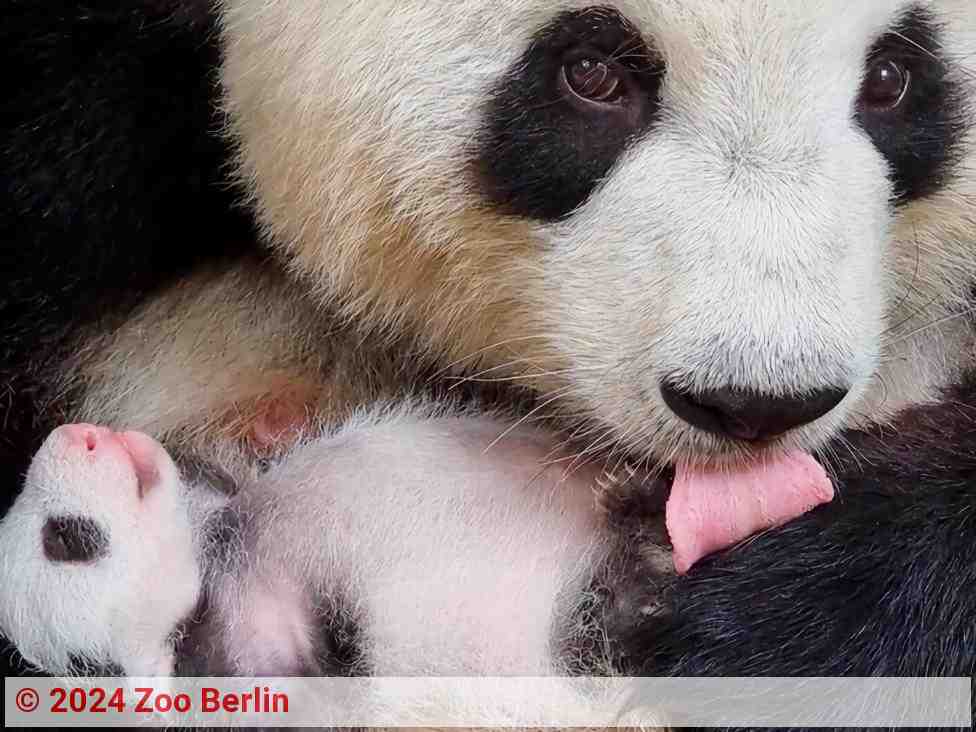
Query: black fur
(340, 641)
(918, 138)
(628, 589)
(880, 583)
(540, 154)
(74, 539)
(111, 178)
(199, 647)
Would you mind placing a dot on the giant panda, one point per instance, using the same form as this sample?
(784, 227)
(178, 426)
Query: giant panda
(688, 234)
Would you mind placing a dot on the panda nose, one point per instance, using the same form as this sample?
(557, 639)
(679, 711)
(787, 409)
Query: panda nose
(750, 416)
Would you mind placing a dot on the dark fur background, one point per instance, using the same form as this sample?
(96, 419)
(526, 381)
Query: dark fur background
(111, 182)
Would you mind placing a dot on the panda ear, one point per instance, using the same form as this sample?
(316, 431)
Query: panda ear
(146, 456)
(148, 477)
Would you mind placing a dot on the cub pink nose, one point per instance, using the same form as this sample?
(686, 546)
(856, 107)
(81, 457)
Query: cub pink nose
(142, 454)
(87, 435)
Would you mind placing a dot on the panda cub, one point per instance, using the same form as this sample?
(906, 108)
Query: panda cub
(100, 510)
(109, 551)
(415, 540)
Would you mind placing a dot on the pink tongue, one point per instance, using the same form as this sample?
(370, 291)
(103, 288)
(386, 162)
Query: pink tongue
(711, 511)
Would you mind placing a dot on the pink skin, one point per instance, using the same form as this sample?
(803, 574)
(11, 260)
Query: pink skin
(712, 510)
(144, 454)
(279, 422)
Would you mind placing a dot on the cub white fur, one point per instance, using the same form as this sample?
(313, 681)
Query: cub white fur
(450, 559)
(374, 527)
(113, 604)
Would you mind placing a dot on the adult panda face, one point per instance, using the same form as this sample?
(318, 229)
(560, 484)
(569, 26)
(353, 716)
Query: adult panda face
(717, 190)
(709, 227)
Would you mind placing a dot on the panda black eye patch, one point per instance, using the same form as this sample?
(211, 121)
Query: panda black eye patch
(919, 134)
(558, 121)
(73, 539)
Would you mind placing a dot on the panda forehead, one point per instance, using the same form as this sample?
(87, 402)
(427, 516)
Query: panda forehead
(681, 30)
(718, 20)
(794, 50)
(685, 30)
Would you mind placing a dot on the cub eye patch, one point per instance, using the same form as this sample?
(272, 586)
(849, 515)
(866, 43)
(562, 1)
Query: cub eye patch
(73, 539)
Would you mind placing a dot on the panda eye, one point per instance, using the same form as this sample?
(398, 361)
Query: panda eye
(594, 80)
(885, 85)
(587, 87)
(73, 539)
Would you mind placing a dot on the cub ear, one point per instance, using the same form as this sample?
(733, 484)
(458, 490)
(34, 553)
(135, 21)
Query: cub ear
(74, 539)
(148, 458)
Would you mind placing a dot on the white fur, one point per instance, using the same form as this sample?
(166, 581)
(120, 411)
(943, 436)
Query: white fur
(451, 558)
(746, 241)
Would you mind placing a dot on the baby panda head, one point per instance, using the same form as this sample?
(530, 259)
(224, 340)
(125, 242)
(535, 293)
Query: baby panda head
(97, 562)
(710, 226)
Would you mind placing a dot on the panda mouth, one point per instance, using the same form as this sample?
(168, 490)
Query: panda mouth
(717, 494)
(712, 509)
